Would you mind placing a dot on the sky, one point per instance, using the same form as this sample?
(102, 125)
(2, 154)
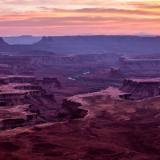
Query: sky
(79, 17)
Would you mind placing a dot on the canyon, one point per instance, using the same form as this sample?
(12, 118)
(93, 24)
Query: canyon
(62, 101)
(26, 100)
(99, 126)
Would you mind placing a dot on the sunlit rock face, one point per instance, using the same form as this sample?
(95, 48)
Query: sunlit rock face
(140, 67)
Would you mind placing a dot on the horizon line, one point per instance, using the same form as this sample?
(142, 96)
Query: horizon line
(132, 35)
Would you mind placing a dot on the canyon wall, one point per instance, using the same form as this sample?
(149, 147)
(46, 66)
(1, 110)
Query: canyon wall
(141, 88)
(140, 67)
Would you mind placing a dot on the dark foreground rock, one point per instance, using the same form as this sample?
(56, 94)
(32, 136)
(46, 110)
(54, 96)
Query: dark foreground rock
(112, 129)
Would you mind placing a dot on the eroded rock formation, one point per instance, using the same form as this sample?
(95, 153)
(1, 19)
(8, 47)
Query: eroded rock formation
(25, 100)
(112, 129)
(141, 88)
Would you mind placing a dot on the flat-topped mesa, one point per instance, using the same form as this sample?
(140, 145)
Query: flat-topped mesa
(18, 79)
(26, 90)
(16, 116)
(30, 79)
(16, 93)
(16, 89)
(147, 67)
(141, 88)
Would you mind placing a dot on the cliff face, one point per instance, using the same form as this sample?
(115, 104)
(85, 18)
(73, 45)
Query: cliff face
(25, 100)
(100, 44)
(72, 110)
(148, 67)
(141, 88)
(112, 129)
(96, 126)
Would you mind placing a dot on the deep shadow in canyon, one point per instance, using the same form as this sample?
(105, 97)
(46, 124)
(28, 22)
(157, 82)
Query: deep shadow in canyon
(80, 98)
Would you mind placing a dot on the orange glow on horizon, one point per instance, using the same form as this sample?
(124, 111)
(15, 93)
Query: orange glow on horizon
(82, 17)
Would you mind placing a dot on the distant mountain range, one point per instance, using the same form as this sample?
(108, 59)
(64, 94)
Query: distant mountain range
(125, 45)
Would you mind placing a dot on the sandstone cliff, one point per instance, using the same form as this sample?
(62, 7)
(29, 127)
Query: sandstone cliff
(141, 88)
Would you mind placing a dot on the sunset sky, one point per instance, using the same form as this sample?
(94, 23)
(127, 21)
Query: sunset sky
(74, 17)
